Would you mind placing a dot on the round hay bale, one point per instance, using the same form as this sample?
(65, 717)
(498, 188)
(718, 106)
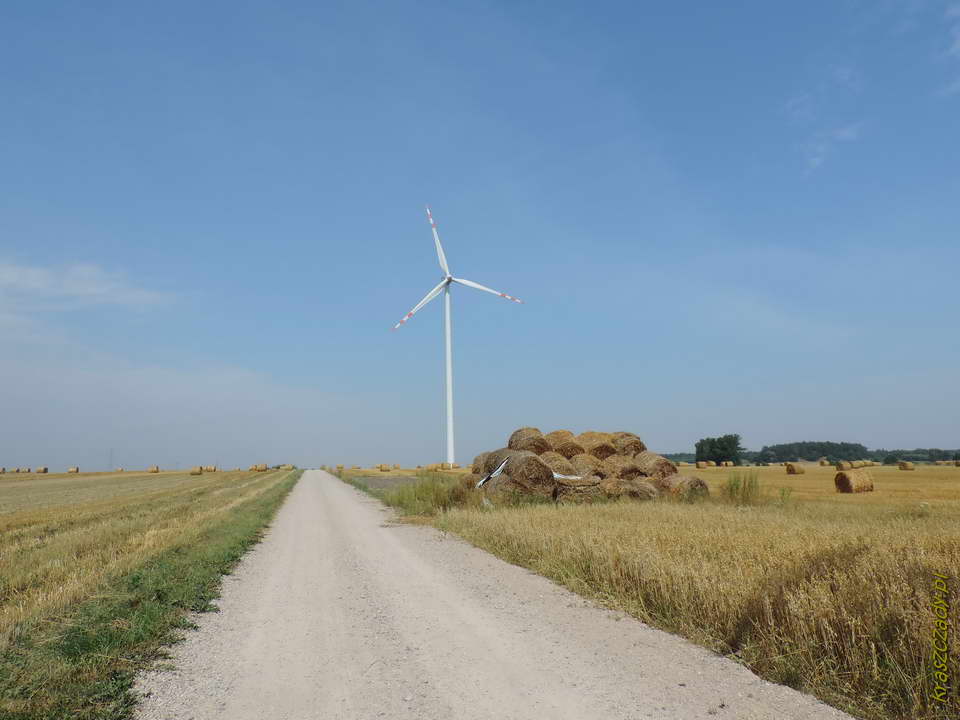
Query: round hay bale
(636, 489)
(396, 466)
(528, 438)
(627, 443)
(856, 464)
(956, 463)
(455, 466)
(558, 463)
(529, 470)
(824, 462)
(686, 487)
(844, 465)
(728, 463)
(153, 469)
(702, 464)
(493, 459)
(598, 444)
(569, 448)
(558, 436)
(586, 465)
(795, 469)
(477, 466)
(197, 470)
(906, 466)
(625, 468)
(711, 463)
(444, 466)
(119, 469)
(853, 481)
(42, 470)
(262, 467)
(655, 466)
(73, 470)
(585, 490)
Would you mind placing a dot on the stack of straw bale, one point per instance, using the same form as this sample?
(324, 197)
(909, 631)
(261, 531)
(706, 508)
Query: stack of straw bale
(587, 467)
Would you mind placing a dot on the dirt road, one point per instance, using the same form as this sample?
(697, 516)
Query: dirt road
(340, 613)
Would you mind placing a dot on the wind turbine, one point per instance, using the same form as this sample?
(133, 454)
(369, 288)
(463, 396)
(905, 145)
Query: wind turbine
(444, 287)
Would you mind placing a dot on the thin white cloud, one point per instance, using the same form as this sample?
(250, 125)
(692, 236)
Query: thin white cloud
(25, 288)
(822, 143)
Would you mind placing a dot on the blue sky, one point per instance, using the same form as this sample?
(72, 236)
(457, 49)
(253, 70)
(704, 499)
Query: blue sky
(722, 219)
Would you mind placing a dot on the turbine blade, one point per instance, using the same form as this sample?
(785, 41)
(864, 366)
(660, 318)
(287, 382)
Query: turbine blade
(478, 286)
(436, 238)
(430, 296)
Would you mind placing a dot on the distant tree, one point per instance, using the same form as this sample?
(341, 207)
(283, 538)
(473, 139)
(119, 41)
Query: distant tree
(810, 450)
(720, 449)
(890, 460)
(956, 455)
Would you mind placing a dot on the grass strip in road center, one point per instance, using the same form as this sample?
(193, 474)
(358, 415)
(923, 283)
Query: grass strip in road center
(79, 662)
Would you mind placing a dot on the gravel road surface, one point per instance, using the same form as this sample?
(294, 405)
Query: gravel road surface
(341, 613)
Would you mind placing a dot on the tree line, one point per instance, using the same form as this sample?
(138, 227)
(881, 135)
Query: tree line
(729, 448)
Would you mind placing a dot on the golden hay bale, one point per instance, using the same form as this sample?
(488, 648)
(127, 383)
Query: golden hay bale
(558, 436)
(73, 470)
(569, 448)
(119, 469)
(795, 469)
(636, 489)
(382, 467)
(26, 470)
(905, 465)
(2, 470)
(728, 463)
(493, 459)
(627, 443)
(528, 438)
(42, 470)
(262, 467)
(853, 481)
(396, 466)
(558, 463)
(856, 464)
(625, 468)
(956, 463)
(702, 464)
(286, 466)
(196, 470)
(598, 444)
(477, 465)
(844, 465)
(585, 490)
(529, 470)
(686, 486)
(455, 466)
(153, 469)
(823, 462)
(564, 442)
(711, 463)
(586, 465)
(655, 466)
(444, 466)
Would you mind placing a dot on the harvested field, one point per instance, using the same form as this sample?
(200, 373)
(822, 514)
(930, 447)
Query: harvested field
(109, 526)
(846, 565)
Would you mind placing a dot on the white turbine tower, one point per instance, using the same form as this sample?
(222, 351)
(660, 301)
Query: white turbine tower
(444, 287)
